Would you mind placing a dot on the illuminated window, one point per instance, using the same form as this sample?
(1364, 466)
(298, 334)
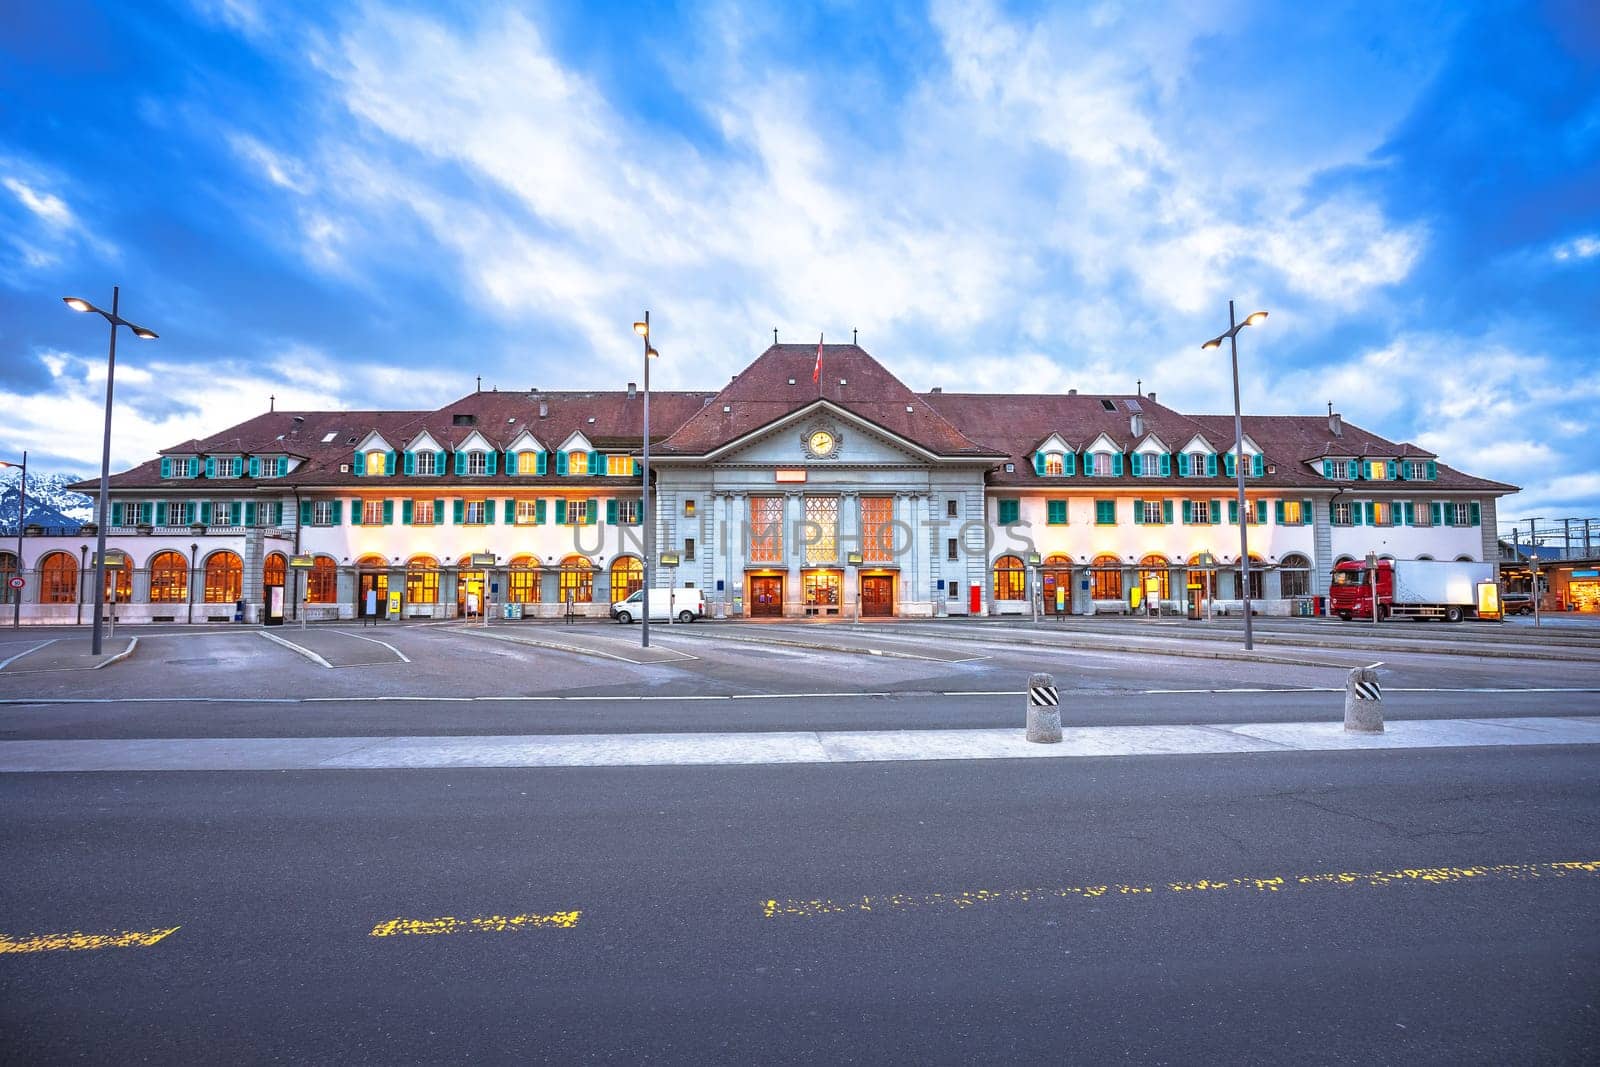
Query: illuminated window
(322, 581)
(1153, 575)
(627, 577)
(522, 581)
(376, 462)
(1105, 578)
(224, 578)
(577, 580)
(58, 579)
(1377, 470)
(877, 529)
(577, 463)
(688, 509)
(119, 579)
(422, 580)
(275, 569)
(422, 513)
(619, 466)
(527, 462)
(628, 510)
(1293, 513)
(577, 513)
(8, 570)
(426, 462)
(1008, 578)
(1382, 513)
(527, 512)
(1054, 463)
(820, 589)
(766, 529)
(477, 462)
(372, 513)
(822, 529)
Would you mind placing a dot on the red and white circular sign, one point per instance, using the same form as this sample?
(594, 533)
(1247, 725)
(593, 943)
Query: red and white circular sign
(18, 582)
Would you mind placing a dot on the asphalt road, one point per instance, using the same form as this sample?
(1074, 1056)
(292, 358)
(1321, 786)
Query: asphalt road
(945, 912)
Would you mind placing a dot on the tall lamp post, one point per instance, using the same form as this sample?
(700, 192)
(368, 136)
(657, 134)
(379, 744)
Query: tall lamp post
(1232, 337)
(643, 330)
(80, 304)
(22, 516)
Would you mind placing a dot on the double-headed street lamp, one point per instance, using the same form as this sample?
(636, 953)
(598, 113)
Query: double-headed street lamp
(1232, 337)
(22, 515)
(80, 304)
(643, 330)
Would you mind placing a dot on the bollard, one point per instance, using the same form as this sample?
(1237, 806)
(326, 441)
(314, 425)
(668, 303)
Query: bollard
(1363, 700)
(1044, 709)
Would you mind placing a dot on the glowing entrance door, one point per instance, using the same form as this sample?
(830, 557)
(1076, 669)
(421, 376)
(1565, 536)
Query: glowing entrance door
(766, 596)
(877, 595)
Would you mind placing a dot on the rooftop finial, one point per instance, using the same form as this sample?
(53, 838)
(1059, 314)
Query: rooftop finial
(1138, 389)
(479, 389)
(852, 335)
(272, 402)
(774, 335)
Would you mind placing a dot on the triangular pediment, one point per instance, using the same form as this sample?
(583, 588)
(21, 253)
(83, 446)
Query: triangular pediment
(424, 442)
(1198, 443)
(1103, 443)
(1053, 443)
(525, 442)
(1151, 443)
(1250, 447)
(374, 442)
(823, 434)
(576, 442)
(475, 442)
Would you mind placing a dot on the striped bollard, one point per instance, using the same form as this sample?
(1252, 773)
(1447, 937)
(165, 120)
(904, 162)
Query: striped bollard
(1363, 701)
(1044, 709)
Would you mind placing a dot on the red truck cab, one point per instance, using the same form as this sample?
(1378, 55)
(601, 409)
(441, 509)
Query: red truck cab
(1350, 593)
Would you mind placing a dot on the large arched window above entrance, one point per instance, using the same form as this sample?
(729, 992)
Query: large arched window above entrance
(627, 576)
(1105, 578)
(422, 580)
(169, 578)
(1153, 576)
(577, 580)
(1008, 578)
(1294, 576)
(58, 579)
(275, 570)
(322, 581)
(523, 577)
(224, 577)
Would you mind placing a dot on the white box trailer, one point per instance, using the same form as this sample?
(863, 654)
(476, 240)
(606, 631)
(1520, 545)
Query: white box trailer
(1438, 583)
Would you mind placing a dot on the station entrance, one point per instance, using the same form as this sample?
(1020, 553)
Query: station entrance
(877, 595)
(766, 596)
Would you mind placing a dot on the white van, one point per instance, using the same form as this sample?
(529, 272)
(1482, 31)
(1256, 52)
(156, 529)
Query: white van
(682, 603)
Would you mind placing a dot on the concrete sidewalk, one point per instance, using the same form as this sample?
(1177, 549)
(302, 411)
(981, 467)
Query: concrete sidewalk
(638, 750)
(67, 654)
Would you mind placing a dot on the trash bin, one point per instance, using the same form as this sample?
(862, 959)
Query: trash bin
(238, 611)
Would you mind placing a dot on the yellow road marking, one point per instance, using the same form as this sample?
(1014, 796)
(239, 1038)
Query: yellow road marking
(483, 924)
(81, 942)
(808, 909)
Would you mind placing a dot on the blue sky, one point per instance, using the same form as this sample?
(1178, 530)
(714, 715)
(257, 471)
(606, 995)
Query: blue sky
(367, 205)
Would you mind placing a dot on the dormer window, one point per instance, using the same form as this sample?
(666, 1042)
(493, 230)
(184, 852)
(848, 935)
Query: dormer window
(177, 468)
(1340, 470)
(1377, 470)
(619, 466)
(1054, 464)
(1151, 464)
(528, 462)
(577, 463)
(1102, 464)
(377, 462)
(227, 467)
(426, 462)
(477, 463)
(1199, 465)
(1417, 470)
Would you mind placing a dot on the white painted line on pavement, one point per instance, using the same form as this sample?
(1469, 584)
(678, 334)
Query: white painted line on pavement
(19, 655)
(306, 652)
(360, 637)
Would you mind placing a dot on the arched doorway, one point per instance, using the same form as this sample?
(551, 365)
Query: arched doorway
(275, 571)
(627, 576)
(1010, 580)
(119, 581)
(577, 580)
(58, 579)
(422, 580)
(523, 579)
(224, 577)
(372, 587)
(169, 578)
(322, 582)
(471, 583)
(1057, 580)
(1154, 579)
(1105, 578)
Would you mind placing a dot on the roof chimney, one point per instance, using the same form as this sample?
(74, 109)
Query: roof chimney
(633, 387)
(1335, 423)
(938, 389)
(1152, 398)
(1072, 392)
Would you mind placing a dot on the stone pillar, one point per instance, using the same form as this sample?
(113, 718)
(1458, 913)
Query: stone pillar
(848, 540)
(795, 554)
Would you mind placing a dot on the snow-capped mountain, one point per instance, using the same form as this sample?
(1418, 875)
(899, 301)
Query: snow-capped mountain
(50, 502)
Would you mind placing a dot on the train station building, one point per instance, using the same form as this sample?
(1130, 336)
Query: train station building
(804, 488)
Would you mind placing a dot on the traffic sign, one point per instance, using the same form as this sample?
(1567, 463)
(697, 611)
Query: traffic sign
(18, 582)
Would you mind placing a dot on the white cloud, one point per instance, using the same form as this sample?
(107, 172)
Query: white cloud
(1585, 246)
(47, 206)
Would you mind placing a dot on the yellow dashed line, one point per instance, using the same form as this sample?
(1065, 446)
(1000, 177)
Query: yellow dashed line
(81, 942)
(482, 924)
(808, 909)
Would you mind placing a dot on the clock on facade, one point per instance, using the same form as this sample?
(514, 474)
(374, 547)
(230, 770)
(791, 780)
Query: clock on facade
(820, 443)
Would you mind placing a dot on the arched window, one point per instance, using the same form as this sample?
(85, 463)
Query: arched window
(322, 581)
(1425, 556)
(523, 578)
(275, 569)
(1294, 575)
(1057, 577)
(627, 575)
(577, 580)
(1153, 574)
(1204, 575)
(1055, 463)
(1106, 578)
(422, 580)
(1008, 578)
(169, 578)
(8, 570)
(224, 577)
(1464, 559)
(1255, 579)
(58, 579)
(120, 579)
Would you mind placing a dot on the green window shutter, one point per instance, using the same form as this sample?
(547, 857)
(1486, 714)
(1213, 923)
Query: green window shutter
(1188, 512)
(1138, 512)
(1327, 468)
(1277, 512)
(358, 463)
(1433, 471)
(205, 512)
(461, 463)
(1476, 516)
(538, 512)
(511, 462)
(1307, 515)
(116, 515)
(438, 462)
(1409, 513)
(1230, 464)
(338, 513)
(1105, 512)
(1136, 464)
(391, 463)
(597, 463)
(491, 461)
(1211, 465)
(1216, 512)
(251, 514)
(611, 512)
(1394, 470)
(458, 511)
(592, 513)
(356, 518)
(1116, 464)
(1233, 512)
(1436, 513)
(166, 466)
(1261, 512)
(388, 512)
(211, 467)
(1183, 464)
(561, 463)
(411, 462)
(1056, 512)
(638, 468)
(542, 464)
(1258, 465)
(255, 466)
(508, 513)
(1069, 463)
(235, 513)
(305, 513)
(561, 511)
(1007, 511)
(488, 512)
(1038, 464)
(1166, 464)
(408, 511)
(1166, 512)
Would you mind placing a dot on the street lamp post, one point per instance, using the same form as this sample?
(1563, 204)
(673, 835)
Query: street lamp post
(1232, 336)
(22, 516)
(79, 304)
(643, 330)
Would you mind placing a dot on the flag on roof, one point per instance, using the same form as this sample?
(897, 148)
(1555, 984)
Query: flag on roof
(816, 372)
